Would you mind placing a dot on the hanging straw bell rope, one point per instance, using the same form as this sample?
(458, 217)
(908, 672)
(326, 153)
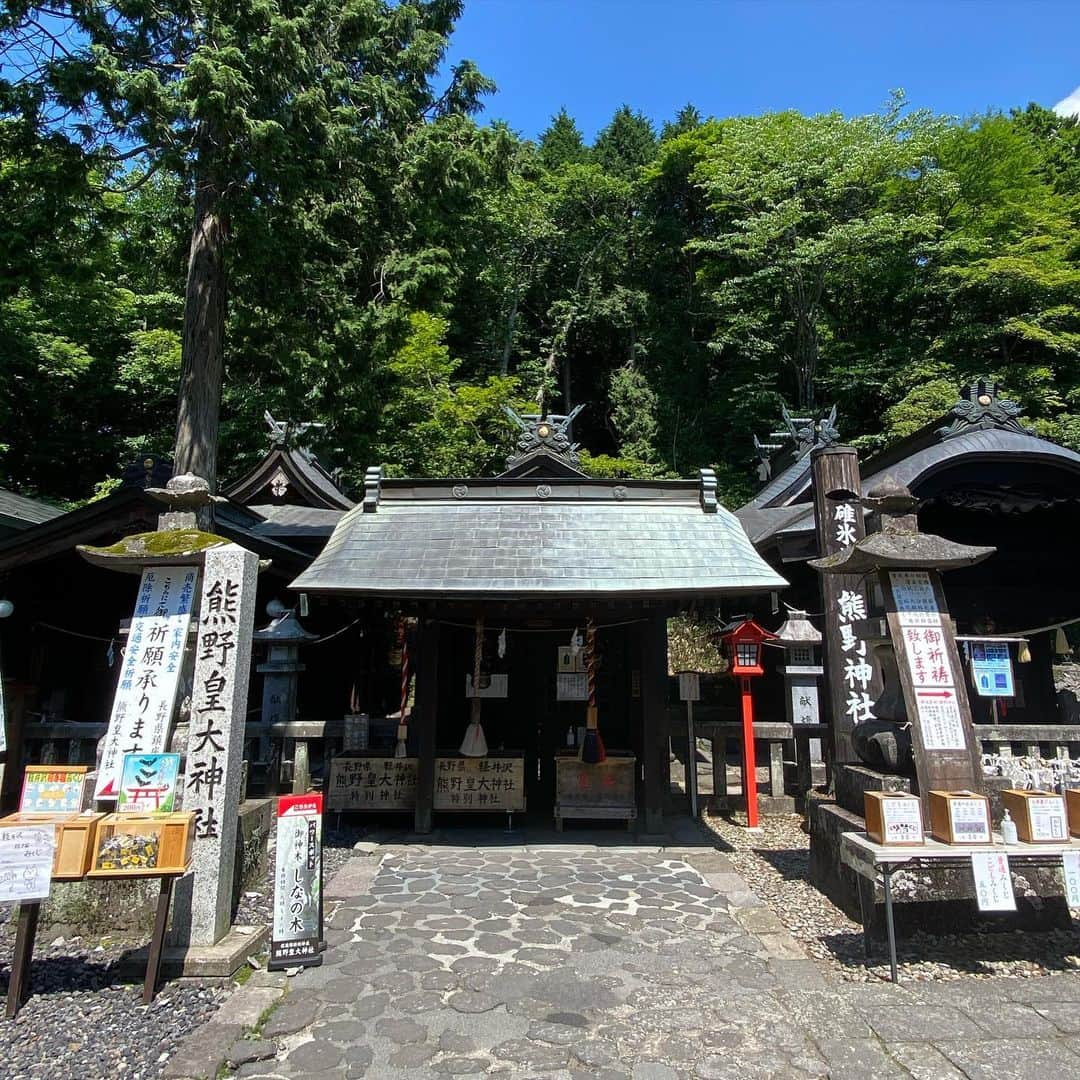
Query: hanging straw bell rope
(475, 744)
(592, 748)
(401, 750)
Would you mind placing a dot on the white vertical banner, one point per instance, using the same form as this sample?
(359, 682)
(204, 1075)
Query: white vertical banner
(993, 881)
(146, 693)
(1070, 862)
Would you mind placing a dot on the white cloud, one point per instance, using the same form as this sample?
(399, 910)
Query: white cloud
(1069, 106)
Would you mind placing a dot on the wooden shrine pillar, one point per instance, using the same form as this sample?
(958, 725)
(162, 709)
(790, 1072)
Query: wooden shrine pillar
(838, 515)
(423, 719)
(654, 742)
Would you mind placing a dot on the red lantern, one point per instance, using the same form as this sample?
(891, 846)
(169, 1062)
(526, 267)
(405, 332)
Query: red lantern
(743, 641)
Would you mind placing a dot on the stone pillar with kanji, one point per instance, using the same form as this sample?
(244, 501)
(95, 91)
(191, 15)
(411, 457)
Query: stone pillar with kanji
(215, 744)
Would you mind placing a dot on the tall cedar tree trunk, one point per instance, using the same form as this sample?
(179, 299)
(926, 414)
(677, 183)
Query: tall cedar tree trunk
(199, 403)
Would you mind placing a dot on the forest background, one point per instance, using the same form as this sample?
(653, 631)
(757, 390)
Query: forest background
(397, 271)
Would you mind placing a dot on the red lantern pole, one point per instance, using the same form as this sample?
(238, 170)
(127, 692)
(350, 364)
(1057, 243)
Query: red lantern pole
(749, 770)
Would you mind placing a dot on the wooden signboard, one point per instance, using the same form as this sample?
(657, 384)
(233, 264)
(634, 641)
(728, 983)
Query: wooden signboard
(52, 789)
(947, 756)
(851, 678)
(372, 783)
(486, 783)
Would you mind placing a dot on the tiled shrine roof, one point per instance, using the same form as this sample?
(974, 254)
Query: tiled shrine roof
(515, 536)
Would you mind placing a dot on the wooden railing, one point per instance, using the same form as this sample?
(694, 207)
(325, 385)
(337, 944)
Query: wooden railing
(1030, 740)
(61, 742)
(779, 744)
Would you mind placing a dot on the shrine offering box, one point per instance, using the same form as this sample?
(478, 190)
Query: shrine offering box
(76, 835)
(960, 817)
(1072, 808)
(893, 817)
(150, 844)
(1039, 815)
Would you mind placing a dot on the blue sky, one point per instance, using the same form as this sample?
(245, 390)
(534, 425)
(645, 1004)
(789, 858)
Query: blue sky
(733, 57)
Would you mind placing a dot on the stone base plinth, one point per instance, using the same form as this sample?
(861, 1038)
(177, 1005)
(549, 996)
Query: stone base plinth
(220, 961)
(853, 781)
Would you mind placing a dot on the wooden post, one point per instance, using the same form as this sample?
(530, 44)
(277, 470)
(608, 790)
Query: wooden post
(19, 980)
(654, 743)
(749, 770)
(423, 721)
(839, 522)
(691, 760)
(719, 770)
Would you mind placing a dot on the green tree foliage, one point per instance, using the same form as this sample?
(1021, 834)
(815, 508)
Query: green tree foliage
(626, 144)
(400, 272)
(430, 427)
(562, 143)
(302, 121)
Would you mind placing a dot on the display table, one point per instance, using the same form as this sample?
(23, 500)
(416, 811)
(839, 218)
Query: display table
(26, 932)
(878, 862)
(604, 791)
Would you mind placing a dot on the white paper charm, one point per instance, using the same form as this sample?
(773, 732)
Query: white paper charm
(993, 881)
(1071, 865)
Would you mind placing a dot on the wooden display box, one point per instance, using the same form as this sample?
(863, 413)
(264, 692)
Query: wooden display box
(76, 835)
(1072, 809)
(960, 817)
(602, 791)
(131, 845)
(893, 817)
(1039, 815)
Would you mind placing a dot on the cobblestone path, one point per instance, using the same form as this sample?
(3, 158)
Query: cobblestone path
(623, 963)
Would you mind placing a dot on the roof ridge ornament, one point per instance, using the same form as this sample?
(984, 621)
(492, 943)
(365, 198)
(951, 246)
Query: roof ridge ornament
(981, 409)
(707, 478)
(289, 434)
(372, 488)
(805, 432)
(544, 432)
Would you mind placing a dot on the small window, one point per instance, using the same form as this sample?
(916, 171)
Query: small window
(800, 654)
(746, 653)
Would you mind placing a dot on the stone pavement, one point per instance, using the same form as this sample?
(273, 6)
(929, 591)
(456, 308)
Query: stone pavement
(645, 963)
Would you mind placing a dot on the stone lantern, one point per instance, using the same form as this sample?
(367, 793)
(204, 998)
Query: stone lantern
(283, 638)
(801, 642)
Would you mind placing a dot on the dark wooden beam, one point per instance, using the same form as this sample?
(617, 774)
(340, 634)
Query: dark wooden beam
(423, 719)
(654, 740)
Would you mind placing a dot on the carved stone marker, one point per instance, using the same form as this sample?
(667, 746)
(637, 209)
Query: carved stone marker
(909, 564)
(215, 747)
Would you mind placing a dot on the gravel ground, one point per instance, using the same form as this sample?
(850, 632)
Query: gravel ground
(82, 1021)
(775, 863)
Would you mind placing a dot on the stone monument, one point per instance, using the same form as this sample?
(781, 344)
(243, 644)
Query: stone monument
(215, 747)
